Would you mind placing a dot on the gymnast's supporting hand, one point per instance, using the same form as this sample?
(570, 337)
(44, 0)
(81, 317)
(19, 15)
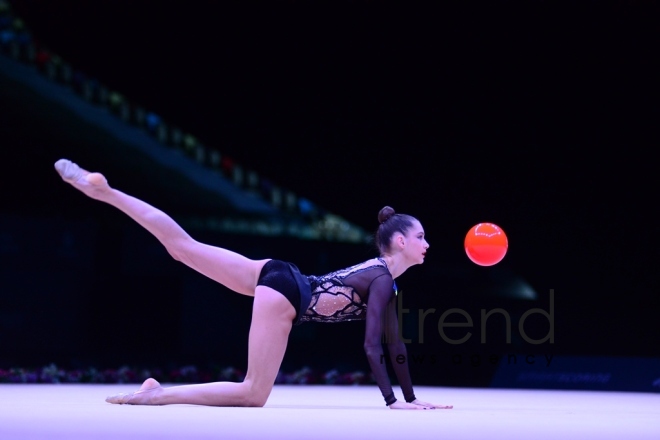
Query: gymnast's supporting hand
(417, 404)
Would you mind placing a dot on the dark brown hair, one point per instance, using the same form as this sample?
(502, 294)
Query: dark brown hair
(390, 223)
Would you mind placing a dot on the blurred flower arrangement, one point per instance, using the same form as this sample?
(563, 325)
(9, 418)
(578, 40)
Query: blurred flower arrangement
(186, 374)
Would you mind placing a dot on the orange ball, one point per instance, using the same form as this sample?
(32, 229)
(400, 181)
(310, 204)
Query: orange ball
(486, 244)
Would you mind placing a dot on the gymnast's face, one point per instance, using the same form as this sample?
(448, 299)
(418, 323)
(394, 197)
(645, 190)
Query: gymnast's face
(415, 244)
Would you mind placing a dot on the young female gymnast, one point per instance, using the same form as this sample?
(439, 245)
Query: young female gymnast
(282, 297)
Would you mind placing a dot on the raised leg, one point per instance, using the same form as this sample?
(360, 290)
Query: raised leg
(272, 314)
(230, 269)
(272, 318)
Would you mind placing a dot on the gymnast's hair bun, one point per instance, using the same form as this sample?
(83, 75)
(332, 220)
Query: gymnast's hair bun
(385, 214)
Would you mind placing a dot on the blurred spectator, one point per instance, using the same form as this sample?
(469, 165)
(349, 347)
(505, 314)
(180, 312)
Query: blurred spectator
(252, 180)
(266, 187)
(189, 142)
(15, 39)
(5, 15)
(214, 158)
(227, 165)
(162, 133)
(176, 136)
(152, 121)
(102, 95)
(78, 81)
(237, 175)
(201, 155)
(52, 67)
(7, 36)
(276, 197)
(119, 106)
(90, 89)
(4, 7)
(290, 201)
(42, 57)
(139, 116)
(307, 209)
(66, 73)
(115, 99)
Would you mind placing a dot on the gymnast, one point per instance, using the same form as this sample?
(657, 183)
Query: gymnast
(283, 297)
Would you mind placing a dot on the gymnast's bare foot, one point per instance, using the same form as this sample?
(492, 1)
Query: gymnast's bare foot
(93, 185)
(146, 395)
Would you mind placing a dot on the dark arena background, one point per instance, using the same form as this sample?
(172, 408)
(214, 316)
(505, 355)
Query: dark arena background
(279, 130)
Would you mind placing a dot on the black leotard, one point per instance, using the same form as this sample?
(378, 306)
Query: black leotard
(343, 296)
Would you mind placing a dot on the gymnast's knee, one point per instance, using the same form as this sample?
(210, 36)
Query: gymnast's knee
(254, 397)
(255, 402)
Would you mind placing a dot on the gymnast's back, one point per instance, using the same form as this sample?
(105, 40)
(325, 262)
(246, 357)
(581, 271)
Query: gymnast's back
(342, 295)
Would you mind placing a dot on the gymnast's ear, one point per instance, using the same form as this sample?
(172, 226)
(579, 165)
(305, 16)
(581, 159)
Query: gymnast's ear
(399, 240)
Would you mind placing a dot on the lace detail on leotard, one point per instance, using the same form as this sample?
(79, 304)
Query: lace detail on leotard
(342, 295)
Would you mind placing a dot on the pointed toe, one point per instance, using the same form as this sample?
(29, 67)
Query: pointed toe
(119, 399)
